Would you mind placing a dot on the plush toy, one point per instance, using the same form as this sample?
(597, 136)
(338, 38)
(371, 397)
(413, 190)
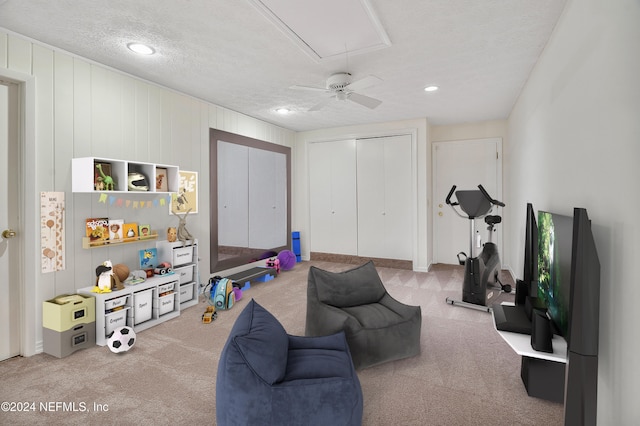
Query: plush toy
(182, 232)
(104, 273)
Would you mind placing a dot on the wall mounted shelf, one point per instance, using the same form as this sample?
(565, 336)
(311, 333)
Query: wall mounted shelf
(84, 176)
(88, 244)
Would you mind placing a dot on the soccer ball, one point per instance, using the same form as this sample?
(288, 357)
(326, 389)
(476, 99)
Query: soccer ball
(122, 339)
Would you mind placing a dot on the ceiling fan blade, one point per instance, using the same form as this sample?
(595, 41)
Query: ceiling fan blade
(315, 89)
(321, 104)
(364, 100)
(363, 83)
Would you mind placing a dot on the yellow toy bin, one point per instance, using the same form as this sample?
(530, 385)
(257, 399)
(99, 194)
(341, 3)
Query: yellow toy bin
(67, 311)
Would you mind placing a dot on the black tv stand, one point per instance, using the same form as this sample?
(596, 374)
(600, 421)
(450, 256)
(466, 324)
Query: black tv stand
(542, 373)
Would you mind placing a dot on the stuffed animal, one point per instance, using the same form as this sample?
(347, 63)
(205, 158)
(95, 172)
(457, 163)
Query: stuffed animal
(104, 273)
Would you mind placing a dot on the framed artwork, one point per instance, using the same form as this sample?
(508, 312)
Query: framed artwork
(161, 179)
(186, 199)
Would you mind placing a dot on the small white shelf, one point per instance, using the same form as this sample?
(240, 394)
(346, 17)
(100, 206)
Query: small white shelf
(521, 344)
(83, 172)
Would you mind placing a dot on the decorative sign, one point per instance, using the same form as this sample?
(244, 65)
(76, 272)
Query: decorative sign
(52, 231)
(186, 200)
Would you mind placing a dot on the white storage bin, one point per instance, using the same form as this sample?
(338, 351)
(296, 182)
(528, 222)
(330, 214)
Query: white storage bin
(166, 287)
(142, 306)
(115, 302)
(115, 320)
(185, 274)
(166, 303)
(182, 255)
(186, 292)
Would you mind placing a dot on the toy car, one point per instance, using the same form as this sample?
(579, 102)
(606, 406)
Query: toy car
(209, 315)
(163, 268)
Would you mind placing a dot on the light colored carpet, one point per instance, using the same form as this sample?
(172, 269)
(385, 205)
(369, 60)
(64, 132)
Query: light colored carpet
(465, 375)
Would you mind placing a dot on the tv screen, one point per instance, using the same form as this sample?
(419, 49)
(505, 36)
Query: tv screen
(555, 234)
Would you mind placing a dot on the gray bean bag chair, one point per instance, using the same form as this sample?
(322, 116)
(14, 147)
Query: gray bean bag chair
(267, 377)
(378, 327)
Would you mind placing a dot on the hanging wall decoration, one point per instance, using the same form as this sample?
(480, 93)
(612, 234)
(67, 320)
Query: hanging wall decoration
(187, 196)
(52, 233)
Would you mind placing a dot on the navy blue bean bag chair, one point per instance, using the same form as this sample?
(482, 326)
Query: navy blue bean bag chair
(267, 377)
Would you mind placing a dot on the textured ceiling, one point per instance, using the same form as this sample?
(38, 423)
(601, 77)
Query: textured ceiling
(479, 53)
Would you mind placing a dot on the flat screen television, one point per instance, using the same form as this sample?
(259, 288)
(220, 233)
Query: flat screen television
(555, 237)
(530, 276)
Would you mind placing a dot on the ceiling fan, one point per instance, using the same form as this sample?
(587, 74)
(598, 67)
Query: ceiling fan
(341, 88)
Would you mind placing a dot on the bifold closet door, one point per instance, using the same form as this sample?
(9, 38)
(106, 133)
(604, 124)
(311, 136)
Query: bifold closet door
(233, 195)
(332, 197)
(267, 199)
(384, 170)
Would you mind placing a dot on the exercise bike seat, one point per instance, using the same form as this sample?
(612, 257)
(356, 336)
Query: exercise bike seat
(492, 219)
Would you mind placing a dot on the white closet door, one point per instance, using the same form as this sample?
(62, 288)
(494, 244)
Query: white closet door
(233, 195)
(384, 170)
(267, 199)
(332, 197)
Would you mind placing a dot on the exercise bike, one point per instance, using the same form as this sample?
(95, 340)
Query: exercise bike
(482, 271)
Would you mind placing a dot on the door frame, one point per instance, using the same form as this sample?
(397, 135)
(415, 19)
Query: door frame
(29, 296)
(434, 182)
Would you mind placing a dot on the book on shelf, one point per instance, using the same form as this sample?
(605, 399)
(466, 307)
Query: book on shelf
(97, 230)
(144, 231)
(116, 230)
(130, 231)
(148, 258)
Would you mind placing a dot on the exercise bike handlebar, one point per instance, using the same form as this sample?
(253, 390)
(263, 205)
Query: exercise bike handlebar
(448, 200)
(488, 197)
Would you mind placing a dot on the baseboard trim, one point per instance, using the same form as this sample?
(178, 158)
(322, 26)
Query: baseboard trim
(359, 260)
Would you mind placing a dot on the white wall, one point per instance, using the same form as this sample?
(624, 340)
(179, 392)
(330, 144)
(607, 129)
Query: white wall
(575, 141)
(300, 184)
(85, 109)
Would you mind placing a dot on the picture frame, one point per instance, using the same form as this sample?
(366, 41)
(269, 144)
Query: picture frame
(161, 182)
(186, 199)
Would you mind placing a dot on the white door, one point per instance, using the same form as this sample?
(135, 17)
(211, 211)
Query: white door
(385, 197)
(465, 164)
(9, 220)
(332, 197)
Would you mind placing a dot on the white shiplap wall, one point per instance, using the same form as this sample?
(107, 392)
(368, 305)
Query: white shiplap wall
(85, 109)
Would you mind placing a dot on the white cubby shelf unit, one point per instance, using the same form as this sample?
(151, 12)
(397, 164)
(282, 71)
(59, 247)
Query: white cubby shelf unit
(83, 172)
(139, 306)
(184, 260)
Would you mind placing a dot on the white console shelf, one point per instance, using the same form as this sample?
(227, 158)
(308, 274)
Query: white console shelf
(83, 173)
(521, 344)
(139, 306)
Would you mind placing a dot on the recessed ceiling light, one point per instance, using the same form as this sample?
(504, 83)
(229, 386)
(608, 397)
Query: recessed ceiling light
(141, 49)
(283, 111)
(431, 88)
